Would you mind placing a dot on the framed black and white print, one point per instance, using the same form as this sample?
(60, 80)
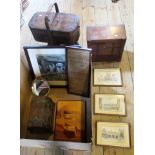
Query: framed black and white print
(113, 134)
(111, 104)
(108, 77)
(49, 63)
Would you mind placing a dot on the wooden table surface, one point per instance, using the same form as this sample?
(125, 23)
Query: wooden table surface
(91, 12)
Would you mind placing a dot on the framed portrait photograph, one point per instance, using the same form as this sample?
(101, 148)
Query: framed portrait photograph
(107, 77)
(49, 63)
(70, 121)
(113, 134)
(79, 69)
(111, 104)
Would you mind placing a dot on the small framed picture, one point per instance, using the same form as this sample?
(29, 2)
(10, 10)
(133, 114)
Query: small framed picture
(78, 69)
(49, 63)
(108, 77)
(110, 104)
(70, 121)
(113, 134)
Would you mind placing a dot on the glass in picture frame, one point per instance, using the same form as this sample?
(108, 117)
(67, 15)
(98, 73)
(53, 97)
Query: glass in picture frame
(108, 77)
(111, 104)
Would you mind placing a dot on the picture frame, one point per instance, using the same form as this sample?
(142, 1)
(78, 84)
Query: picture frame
(113, 134)
(70, 121)
(48, 62)
(110, 104)
(108, 77)
(79, 71)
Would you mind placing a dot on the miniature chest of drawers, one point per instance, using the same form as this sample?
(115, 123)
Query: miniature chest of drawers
(107, 42)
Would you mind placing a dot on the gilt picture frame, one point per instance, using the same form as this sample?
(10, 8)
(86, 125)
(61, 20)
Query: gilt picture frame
(70, 123)
(109, 104)
(113, 134)
(108, 77)
(48, 62)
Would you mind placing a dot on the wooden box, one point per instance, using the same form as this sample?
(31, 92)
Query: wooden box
(107, 42)
(46, 139)
(76, 62)
(41, 116)
(55, 28)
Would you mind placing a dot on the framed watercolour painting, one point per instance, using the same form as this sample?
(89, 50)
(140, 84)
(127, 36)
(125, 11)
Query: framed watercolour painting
(110, 104)
(70, 121)
(108, 77)
(78, 69)
(113, 134)
(49, 63)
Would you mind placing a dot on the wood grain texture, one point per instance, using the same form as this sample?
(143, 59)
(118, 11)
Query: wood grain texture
(25, 93)
(76, 8)
(49, 151)
(88, 19)
(126, 13)
(35, 151)
(91, 12)
(23, 150)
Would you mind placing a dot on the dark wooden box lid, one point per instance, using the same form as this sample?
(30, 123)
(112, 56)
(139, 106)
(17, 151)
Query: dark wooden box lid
(99, 33)
(41, 113)
(62, 22)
